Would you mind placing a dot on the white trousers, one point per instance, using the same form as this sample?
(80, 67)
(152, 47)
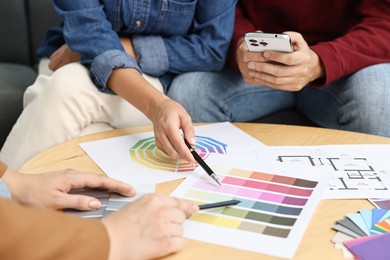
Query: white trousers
(64, 105)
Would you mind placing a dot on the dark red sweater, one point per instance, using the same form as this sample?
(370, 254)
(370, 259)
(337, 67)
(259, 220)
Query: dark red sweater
(346, 34)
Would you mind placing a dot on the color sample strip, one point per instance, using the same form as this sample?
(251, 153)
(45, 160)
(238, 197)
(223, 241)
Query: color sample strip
(205, 197)
(242, 225)
(273, 178)
(267, 186)
(384, 225)
(285, 180)
(246, 214)
(265, 230)
(252, 194)
(257, 216)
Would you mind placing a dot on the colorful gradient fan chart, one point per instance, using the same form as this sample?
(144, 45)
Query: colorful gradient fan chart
(271, 217)
(146, 153)
(135, 158)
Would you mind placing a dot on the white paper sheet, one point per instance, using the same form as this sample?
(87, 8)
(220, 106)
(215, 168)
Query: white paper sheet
(358, 171)
(134, 158)
(265, 221)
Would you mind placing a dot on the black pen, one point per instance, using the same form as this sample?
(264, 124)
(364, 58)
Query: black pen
(219, 204)
(202, 163)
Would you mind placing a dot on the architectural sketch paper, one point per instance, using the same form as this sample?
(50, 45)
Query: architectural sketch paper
(358, 171)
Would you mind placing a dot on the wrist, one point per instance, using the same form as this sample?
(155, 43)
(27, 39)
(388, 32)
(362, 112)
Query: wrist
(156, 103)
(318, 70)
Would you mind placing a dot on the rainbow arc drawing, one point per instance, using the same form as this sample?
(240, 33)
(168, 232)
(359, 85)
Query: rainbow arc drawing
(146, 153)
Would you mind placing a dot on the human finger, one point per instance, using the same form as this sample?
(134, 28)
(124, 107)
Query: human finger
(156, 201)
(164, 144)
(275, 69)
(175, 215)
(244, 55)
(187, 206)
(54, 63)
(75, 201)
(272, 81)
(174, 229)
(92, 180)
(188, 130)
(178, 144)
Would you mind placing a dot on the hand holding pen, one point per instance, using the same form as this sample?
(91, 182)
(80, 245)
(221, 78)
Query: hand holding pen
(202, 163)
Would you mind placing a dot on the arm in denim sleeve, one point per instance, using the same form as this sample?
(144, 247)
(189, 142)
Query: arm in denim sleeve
(88, 32)
(203, 48)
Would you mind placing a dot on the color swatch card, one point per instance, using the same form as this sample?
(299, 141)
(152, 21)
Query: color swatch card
(110, 202)
(364, 223)
(371, 247)
(136, 158)
(276, 205)
(381, 203)
(365, 234)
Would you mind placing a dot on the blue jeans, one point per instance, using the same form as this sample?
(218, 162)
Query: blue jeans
(359, 102)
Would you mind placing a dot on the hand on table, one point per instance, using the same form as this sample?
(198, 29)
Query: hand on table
(51, 189)
(279, 70)
(150, 227)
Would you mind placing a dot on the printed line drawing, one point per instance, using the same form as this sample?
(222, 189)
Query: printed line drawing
(352, 173)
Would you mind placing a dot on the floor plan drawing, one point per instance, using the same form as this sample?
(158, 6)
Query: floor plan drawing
(358, 171)
(352, 173)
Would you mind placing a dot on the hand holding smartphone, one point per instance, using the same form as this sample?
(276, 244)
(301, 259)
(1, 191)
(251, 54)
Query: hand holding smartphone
(260, 42)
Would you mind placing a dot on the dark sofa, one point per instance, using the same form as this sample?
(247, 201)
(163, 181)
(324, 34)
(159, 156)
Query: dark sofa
(23, 24)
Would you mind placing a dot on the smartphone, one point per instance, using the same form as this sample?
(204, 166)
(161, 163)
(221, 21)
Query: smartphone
(260, 42)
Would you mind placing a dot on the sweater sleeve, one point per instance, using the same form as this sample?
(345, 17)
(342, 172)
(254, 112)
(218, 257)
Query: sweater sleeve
(366, 43)
(242, 25)
(36, 233)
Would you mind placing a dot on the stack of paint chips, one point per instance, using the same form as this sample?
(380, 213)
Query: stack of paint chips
(110, 202)
(364, 235)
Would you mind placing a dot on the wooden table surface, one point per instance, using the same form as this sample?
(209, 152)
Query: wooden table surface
(316, 242)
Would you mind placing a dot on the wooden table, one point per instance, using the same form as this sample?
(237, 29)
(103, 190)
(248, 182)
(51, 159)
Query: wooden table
(316, 242)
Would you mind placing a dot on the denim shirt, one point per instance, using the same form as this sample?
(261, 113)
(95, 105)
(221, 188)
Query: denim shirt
(169, 36)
